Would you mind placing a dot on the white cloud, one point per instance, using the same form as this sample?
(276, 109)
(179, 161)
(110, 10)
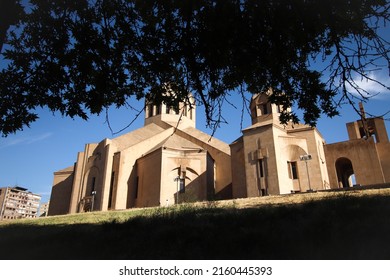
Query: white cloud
(371, 87)
(39, 137)
(23, 140)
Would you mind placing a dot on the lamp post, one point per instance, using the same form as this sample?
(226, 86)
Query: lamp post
(177, 180)
(306, 158)
(93, 200)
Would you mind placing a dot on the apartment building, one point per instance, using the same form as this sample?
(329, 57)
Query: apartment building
(44, 209)
(17, 203)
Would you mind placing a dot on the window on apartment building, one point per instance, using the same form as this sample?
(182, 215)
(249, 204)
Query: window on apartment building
(167, 109)
(292, 169)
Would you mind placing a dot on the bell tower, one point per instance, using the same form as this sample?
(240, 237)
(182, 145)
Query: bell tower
(368, 127)
(184, 115)
(262, 110)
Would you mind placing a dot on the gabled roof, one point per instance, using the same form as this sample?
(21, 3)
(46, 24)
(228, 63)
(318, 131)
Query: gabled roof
(136, 136)
(175, 142)
(65, 170)
(207, 139)
(237, 141)
(259, 124)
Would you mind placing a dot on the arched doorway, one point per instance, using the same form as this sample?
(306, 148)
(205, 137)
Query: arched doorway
(345, 173)
(91, 192)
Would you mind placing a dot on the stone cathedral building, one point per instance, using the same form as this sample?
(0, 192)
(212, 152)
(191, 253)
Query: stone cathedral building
(165, 162)
(169, 161)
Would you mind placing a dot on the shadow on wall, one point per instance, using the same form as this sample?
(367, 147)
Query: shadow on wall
(193, 190)
(61, 193)
(225, 193)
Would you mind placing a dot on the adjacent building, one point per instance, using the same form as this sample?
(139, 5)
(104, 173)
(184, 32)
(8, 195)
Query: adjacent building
(18, 203)
(365, 157)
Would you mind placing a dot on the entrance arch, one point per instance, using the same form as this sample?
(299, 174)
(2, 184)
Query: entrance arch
(345, 172)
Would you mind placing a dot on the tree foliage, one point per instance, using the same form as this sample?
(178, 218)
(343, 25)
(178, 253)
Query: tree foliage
(81, 56)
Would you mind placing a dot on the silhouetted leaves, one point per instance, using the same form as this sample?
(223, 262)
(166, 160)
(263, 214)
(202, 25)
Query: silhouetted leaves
(79, 57)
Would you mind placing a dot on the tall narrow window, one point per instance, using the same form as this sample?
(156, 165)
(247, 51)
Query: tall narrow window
(167, 109)
(158, 109)
(182, 188)
(111, 190)
(93, 184)
(265, 109)
(292, 169)
(150, 110)
(261, 168)
(136, 187)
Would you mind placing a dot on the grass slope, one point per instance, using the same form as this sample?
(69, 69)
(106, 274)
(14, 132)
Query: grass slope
(342, 225)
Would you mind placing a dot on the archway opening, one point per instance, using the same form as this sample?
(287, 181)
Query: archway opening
(345, 173)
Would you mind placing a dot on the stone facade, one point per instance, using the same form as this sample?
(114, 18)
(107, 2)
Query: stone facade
(366, 155)
(266, 159)
(169, 161)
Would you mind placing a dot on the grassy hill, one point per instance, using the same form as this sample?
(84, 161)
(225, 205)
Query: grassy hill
(326, 225)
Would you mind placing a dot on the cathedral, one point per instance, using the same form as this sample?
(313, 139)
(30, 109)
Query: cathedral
(168, 161)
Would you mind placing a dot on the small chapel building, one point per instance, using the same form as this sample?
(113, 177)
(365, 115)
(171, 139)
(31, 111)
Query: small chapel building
(271, 158)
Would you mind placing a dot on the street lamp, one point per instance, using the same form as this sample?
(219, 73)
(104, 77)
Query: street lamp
(93, 199)
(306, 158)
(177, 180)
